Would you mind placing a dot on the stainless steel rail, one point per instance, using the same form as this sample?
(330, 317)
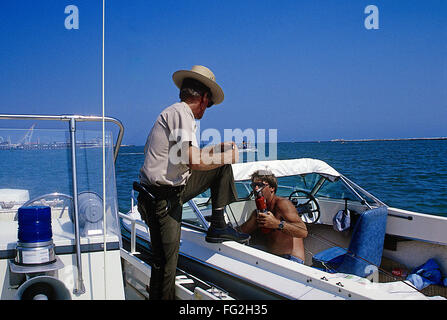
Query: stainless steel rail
(72, 119)
(350, 183)
(68, 118)
(133, 230)
(79, 286)
(198, 213)
(355, 192)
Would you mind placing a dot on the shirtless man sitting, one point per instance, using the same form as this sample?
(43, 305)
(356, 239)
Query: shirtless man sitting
(284, 227)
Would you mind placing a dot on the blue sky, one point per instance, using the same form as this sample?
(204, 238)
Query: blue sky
(307, 68)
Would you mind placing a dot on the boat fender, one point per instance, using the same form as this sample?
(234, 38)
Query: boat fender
(342, 219)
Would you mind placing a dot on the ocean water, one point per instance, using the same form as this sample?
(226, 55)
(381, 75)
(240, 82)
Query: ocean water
(410, 175)
(407, 174)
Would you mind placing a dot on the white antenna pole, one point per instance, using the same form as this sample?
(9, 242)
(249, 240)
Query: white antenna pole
(103, 152)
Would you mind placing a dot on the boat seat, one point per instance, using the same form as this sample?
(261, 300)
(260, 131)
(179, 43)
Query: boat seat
(365, 250)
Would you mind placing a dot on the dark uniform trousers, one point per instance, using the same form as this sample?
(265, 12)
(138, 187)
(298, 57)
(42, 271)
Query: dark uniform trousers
(164, 215)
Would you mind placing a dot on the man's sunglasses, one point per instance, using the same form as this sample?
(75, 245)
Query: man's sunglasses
(210, 101)
(258, 184)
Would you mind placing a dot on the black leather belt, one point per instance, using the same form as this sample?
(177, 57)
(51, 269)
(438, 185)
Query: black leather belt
(161, 192)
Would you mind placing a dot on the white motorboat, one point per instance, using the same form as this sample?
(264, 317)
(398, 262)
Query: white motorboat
(79, 253)
(319, 192)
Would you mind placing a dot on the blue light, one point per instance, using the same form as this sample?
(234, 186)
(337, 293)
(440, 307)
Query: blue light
(34, 224)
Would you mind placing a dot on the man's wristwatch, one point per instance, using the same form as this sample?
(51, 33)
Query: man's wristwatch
(281, 225)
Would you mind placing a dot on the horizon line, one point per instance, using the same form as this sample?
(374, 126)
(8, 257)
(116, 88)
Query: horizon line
(340, 140)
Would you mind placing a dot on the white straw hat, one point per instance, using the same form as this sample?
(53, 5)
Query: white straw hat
(205, 76)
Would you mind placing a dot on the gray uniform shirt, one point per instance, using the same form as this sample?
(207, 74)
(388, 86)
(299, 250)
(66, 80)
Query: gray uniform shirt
(164, 162)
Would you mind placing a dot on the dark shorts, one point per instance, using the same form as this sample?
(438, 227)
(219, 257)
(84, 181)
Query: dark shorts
(286, 256)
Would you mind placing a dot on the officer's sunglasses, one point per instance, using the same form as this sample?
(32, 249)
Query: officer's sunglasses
(210, 101)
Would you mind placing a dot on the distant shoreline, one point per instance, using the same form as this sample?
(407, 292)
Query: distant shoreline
(389, 139)
(341, 140)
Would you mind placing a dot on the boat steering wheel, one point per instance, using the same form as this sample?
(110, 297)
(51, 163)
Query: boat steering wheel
(306, 205)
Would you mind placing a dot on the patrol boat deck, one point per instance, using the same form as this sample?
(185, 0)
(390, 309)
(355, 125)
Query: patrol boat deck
(92, 262)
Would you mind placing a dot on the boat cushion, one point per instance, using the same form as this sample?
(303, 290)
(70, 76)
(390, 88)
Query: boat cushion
(329, 259)
(366, 246)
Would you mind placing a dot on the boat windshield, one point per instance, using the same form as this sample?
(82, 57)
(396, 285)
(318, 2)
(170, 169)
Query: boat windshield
(321, 188)
(195, 210)
(315, 184)
(37, 170)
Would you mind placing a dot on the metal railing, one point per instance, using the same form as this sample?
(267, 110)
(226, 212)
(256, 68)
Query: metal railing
(133, 230)
(69, 118)
(72, 119)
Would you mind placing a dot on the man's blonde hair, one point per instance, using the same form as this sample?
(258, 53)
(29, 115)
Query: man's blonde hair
(265, 176)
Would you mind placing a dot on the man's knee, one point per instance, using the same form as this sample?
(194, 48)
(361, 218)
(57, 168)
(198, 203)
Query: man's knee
(227, 168)
(225, 172)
